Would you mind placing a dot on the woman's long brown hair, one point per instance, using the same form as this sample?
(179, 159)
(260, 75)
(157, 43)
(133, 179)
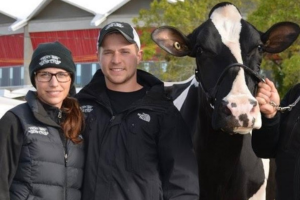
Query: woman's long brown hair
(73, 123)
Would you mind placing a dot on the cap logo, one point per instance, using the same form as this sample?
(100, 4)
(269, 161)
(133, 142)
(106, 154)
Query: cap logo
(114, 25)
(50, 59)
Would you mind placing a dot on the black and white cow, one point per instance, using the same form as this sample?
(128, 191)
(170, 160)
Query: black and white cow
(222, 111)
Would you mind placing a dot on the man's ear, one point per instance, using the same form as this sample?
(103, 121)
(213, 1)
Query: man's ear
(98, 54)
(140, 56)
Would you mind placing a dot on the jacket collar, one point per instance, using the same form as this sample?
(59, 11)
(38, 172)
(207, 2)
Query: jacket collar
(96, 87)
(44, 113)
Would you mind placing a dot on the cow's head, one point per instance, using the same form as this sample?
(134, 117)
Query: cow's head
(228, 52)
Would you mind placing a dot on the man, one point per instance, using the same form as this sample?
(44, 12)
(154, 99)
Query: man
(139, 147)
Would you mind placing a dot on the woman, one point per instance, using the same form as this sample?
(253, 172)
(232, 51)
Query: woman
(279, 137)
(41, 149)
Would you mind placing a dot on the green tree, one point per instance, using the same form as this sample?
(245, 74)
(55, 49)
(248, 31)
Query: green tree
(186, 16)
(284, 67)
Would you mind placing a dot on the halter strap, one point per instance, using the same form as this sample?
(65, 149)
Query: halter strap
(211, 96)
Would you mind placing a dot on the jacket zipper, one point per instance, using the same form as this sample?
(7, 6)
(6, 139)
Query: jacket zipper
(65, 146)
(66, 169)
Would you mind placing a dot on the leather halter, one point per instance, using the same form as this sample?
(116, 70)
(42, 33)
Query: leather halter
(211, 95)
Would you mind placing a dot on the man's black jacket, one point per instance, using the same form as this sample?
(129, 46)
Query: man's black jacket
(143, 153)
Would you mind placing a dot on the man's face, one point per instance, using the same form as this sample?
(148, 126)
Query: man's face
(118, 60)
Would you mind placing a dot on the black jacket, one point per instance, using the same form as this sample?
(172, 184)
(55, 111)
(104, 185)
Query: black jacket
(143, 153)
(279, 138)
(36, 160)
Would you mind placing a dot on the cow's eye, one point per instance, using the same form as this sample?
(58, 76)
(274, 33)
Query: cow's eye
(177, 45)
(260, 49)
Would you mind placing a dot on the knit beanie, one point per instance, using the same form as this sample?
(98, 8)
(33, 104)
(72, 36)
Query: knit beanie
(51, 55)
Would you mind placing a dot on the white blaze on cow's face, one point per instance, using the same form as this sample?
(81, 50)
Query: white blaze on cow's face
(241, 103)
(227, 21)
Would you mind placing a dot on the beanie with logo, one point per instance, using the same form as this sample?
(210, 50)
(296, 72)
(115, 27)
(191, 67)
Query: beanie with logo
(51, 55)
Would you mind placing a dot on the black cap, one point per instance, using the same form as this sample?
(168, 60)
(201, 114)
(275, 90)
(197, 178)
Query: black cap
(54, 55)
(125, 29)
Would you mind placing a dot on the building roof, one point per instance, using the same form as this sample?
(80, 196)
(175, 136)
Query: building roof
(71, 22)
(97, 9)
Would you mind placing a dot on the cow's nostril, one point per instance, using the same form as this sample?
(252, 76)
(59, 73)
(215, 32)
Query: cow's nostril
(253, 109)
(224, 108)
(254, 104)
(227, 111)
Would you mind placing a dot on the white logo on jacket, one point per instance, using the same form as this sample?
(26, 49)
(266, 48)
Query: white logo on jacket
(86, 108)
(38, 130)
(144, 117)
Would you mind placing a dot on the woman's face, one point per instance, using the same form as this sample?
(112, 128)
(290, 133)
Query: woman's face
(52, 89)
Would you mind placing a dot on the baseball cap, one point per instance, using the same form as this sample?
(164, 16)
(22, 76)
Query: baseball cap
(125, 29)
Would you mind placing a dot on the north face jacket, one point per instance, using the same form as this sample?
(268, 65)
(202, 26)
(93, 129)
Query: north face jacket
(143, 153)
(47, 166)
(279, 138)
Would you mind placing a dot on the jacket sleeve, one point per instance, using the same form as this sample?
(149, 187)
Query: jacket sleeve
(265, 140)
(177, 159)
(11, 140)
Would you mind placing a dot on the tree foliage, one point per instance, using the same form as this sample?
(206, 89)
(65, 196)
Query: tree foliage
(284, 67)
(185, 16)
(188, 15)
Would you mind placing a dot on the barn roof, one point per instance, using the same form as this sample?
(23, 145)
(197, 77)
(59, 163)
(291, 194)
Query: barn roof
(96, 9)
(71, 22)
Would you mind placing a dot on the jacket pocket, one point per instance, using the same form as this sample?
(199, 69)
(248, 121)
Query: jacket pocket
(132, 143)
(140, 141)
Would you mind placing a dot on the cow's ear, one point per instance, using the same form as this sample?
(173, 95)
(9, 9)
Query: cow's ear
(280, 36)
(171, 40)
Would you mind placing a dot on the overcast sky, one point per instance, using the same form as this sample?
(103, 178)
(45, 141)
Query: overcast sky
(22, 8)
(18, 8)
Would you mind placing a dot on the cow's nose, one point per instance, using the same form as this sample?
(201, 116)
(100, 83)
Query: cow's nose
(242, 109)
(241, 105)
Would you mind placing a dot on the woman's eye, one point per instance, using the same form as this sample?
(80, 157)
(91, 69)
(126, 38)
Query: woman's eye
(44, 74)
(62, 74)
